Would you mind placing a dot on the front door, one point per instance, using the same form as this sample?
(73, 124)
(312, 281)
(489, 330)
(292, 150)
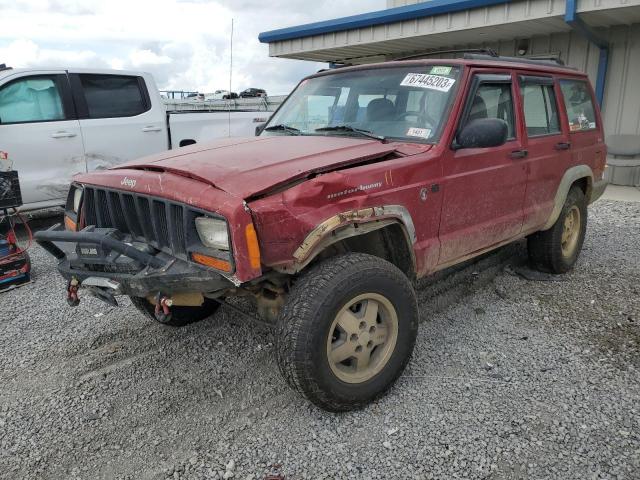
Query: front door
(484, 188)
(39, 131)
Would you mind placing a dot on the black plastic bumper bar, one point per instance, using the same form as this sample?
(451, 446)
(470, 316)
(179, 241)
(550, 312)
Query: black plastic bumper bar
(45, 238)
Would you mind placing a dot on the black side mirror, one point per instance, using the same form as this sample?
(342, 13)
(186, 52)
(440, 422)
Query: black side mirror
(483, 133)
(260, 128)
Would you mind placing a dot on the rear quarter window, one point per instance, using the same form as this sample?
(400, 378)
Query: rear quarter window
(578, 102)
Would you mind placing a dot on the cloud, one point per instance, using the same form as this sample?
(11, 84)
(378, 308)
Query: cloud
(183, 43)
(28, 53)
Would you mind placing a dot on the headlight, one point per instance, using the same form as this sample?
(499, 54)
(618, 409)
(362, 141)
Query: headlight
(77, 196)
(213, 232)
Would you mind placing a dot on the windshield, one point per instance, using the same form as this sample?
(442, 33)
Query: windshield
(408, 103)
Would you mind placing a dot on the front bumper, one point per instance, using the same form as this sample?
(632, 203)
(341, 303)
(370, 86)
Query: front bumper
(112, 263)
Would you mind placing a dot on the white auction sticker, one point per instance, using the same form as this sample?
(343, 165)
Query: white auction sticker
(419, 132)
(432, 82)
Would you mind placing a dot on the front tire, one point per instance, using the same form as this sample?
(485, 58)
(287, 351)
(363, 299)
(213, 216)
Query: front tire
(347, 331)
(556, 250)
(180, 315)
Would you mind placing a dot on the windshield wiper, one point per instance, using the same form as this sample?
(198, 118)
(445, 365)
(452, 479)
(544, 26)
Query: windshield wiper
(284, 128)
(350, 129)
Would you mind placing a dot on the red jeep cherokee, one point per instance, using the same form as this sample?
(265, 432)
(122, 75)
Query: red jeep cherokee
(365, 179)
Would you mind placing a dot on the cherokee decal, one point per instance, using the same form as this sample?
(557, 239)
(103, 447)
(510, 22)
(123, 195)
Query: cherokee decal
(359, 188)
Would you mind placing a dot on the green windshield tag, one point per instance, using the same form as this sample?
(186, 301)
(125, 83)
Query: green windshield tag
(440, 70)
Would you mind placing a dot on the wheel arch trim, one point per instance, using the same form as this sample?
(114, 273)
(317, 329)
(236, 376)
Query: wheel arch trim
(362, 221)
(571, 176)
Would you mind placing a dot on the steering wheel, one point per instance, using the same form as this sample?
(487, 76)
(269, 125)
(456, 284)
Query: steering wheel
(424, 116)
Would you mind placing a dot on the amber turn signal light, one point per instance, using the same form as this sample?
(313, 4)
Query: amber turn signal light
(70, 224)
(252, 246)
(211, 262)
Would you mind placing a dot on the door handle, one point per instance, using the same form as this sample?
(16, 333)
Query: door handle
(563, 146)
(151, 128)
(63, 135)
(517, 154)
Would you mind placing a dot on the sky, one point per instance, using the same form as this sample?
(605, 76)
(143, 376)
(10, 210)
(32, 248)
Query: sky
(183, 43)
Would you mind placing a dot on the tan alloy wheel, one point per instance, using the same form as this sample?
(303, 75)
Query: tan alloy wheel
(571, 231)
(362, 338)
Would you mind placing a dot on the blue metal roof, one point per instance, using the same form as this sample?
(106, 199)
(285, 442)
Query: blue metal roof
(398, 14)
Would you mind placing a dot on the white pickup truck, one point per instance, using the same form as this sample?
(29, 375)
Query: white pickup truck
(55, 123)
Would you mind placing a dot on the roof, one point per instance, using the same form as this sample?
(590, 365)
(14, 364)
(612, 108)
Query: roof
(398, 14)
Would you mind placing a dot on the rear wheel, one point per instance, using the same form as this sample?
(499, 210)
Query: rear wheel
(180, 315)
(556, 250)
(347, 331)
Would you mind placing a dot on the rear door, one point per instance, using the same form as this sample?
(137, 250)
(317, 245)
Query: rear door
(484, 187)
(118, 119)
(548, 145)
(40, 132)
(585, 131)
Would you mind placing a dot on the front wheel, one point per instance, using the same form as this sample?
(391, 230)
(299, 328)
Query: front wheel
(347, 331)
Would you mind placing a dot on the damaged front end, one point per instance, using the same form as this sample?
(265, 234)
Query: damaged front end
(126, 243)
(108, 263)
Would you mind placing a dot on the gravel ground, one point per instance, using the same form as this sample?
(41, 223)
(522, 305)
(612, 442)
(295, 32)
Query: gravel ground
(521, 378)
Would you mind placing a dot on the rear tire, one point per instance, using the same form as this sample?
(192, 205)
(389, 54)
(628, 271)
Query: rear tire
(347, 331)
(180, 316)
(556, 250)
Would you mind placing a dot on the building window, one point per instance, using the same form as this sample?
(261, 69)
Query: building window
(540, 109)
(579, 104)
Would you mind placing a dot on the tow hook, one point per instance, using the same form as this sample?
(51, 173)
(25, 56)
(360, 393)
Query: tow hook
(163, 308)
(72, 292)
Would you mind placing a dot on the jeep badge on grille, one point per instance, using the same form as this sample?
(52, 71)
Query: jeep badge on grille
(128, 182)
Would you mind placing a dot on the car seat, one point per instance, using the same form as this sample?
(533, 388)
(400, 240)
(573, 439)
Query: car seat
(380, 109)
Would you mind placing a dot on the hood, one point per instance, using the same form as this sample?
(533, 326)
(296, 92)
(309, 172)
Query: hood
(245, 167)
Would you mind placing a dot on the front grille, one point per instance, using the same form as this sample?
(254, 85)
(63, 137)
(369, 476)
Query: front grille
(158, 222)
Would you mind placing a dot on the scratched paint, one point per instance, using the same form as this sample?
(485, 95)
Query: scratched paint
(98, 161)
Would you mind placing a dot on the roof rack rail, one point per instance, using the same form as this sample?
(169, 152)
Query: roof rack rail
(3, 66)
(489, 52)
(551, 61)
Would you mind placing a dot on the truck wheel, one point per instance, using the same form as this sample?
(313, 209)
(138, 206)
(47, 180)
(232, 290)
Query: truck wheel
(556, 250)
(347, 331)
(180, 316)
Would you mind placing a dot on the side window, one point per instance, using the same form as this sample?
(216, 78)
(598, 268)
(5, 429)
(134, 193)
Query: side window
(32, 99)
(113, 96)
(579, 105)
(540, 109)
(494, 100)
